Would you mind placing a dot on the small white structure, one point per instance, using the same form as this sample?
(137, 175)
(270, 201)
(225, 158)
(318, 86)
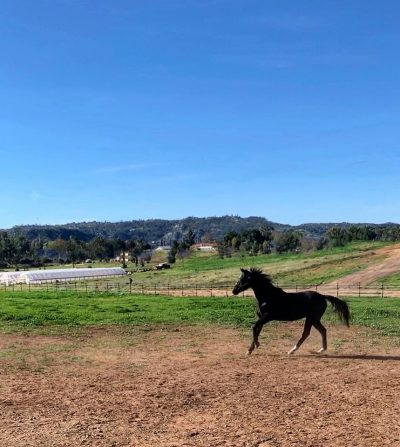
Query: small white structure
(205, 247)
(39, 276)
(163, 248)
(123, 257)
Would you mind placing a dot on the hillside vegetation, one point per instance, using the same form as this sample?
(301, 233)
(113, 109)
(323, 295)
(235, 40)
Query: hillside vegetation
(293, 268)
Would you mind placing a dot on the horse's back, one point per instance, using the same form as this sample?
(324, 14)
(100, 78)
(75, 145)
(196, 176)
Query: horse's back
(297, 305)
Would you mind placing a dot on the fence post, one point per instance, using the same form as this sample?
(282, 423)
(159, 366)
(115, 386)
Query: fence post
(196, 288)
(337, 290)
(211, 291)
(182, 289)
(142, 289)
(155, 289)
(382, 290)
(359, 289)
(168, 289)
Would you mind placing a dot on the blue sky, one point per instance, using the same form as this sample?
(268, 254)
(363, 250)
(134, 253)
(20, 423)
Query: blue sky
(120, 110)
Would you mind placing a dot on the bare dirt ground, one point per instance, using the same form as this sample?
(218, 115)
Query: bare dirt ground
(194, 386)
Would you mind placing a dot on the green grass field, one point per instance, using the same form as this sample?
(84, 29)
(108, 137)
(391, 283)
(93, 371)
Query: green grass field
(390, 280)
(21, 311)
(61, 310)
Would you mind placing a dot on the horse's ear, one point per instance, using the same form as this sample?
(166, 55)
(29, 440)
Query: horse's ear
(244, 271)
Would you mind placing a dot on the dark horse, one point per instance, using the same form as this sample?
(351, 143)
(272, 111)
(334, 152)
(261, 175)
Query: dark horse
(275, 304)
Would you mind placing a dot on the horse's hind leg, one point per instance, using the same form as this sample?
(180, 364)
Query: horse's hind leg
(321, 329)
(306, 333)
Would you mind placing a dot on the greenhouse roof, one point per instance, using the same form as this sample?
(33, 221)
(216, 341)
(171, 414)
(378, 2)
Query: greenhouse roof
(37, 276)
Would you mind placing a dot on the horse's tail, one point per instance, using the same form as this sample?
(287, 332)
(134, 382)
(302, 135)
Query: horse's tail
(341, 308)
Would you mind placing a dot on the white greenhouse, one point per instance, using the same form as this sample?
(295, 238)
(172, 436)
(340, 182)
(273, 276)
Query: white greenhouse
(55, 275)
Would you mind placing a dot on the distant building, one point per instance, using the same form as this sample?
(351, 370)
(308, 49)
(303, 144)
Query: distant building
(207, 247)
(123, 257)
(163, 248)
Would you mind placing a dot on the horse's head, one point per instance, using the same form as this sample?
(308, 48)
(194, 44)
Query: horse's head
(244, 282)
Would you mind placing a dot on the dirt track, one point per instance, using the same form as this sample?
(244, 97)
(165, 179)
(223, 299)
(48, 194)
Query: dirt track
(388, 266)
(193, 386)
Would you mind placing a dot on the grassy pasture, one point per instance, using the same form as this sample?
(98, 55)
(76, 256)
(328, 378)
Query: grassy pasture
(53, 312)
(22, 310)
(300, 268)
(292, 268)
(390, 280)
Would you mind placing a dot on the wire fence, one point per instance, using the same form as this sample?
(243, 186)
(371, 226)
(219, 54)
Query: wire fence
(205, 290)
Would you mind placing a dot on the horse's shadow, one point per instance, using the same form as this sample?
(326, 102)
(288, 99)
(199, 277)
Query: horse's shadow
(393, 358)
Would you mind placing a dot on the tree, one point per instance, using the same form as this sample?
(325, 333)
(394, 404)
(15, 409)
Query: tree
(338, 236)
(136, 248)
(287, 241)
(21, 248)
(267, 234)
(188, 240)
(13, 249)
(172, 253)
(36, 249)
(58, 248)
(74, 250)
(99, 248)
(6, 248)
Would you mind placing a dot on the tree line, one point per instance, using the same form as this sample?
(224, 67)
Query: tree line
(266, 240)
(17, 250)
(339, 236)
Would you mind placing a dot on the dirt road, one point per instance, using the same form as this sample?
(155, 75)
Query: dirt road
(390, 265)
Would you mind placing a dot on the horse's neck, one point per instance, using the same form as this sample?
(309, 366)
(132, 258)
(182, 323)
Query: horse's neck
(266, 294)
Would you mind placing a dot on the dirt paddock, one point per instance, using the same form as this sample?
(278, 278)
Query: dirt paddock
(194, 386)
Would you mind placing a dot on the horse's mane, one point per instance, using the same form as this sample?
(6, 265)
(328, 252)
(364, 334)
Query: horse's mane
(258, 274)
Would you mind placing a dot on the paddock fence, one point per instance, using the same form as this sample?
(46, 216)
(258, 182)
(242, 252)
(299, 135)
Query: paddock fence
(205, 290)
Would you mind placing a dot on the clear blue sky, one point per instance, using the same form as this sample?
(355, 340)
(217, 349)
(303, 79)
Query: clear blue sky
(118, 110)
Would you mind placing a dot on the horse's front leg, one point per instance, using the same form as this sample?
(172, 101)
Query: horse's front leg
(258, 325)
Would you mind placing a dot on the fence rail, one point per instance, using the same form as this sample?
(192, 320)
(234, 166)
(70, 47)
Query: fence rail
(380, 290)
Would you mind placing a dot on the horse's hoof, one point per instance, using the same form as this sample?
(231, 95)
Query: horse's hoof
(321, 350)
(292, 351)
(256, 344)
(251, 349)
